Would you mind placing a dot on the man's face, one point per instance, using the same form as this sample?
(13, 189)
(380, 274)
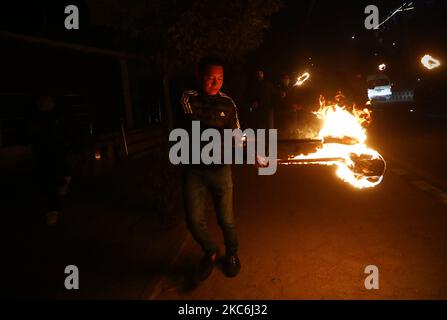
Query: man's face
(260, 74)
(212, 80)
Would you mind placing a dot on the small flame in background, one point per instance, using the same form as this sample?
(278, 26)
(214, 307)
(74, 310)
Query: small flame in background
(302, 78)
(382, 67)
(341, 123)
(429, 62)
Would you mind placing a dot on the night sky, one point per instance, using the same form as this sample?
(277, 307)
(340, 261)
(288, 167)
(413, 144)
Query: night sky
(319, 29)
(323, 30)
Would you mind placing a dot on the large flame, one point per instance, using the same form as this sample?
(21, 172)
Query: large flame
(429, 62)
(341, 125)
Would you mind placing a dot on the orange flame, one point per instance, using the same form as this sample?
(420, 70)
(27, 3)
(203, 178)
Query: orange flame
(339, 123)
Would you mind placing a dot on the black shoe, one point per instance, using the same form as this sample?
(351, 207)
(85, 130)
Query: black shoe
(231, 265)
(206, 266)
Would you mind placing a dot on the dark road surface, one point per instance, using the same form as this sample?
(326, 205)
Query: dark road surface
(304, 234)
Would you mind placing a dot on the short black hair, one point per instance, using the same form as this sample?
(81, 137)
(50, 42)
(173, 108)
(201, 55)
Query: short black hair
(208, 61)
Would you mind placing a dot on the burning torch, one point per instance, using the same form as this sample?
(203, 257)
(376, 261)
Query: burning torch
(341, 142)
(360, 169)
(302, 79)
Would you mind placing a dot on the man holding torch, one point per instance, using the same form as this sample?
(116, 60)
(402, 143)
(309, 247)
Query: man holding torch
(216, 110)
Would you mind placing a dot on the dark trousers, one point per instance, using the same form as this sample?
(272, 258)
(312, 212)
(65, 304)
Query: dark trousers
(217, 181)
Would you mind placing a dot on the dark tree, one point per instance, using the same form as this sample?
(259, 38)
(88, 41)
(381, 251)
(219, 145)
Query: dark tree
(175, 34)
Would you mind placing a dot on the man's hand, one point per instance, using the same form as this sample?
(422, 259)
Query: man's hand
(261, 162)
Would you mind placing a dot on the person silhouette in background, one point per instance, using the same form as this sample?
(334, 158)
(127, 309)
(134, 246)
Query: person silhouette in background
(284, 112)
(50, 154)
(260, 96)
